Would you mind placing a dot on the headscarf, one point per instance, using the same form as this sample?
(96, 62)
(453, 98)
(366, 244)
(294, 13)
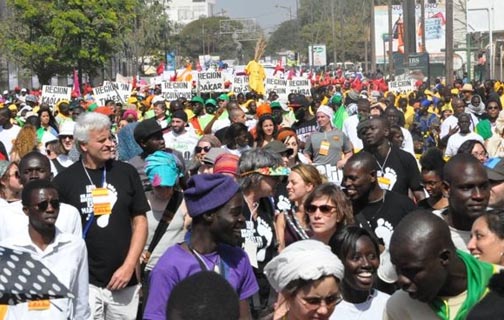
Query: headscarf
(161, 169)
(304, 259)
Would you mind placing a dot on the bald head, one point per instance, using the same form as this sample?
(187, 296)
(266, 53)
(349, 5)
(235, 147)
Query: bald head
(452, 168)
(421, 231)
(364, 160)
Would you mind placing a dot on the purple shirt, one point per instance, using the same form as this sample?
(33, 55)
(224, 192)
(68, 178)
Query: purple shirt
(176, 264)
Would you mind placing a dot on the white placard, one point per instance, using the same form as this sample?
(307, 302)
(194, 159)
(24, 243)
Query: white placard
(299, 86)
(52, 94)
(210, 81)
(178, 89)
(124, 89)
(401, 85)
(110, 91)
(277, 85)
(240, 84)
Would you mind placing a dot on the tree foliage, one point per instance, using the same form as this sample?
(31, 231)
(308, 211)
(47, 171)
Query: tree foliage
(343, 25)
(52, 37)
(203, 36)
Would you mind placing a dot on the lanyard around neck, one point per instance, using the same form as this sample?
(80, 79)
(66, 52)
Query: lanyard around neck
(104, 178)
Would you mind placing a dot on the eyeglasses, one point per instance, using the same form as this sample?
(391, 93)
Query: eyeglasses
(482, 154)
(493, 108)
(64, 137)
(325, 209)
(199, 149)
(42, 206)
(314, 303)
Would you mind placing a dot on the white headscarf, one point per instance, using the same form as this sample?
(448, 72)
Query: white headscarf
(305, 259)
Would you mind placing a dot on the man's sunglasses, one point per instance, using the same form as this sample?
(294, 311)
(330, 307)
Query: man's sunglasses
(42, 206)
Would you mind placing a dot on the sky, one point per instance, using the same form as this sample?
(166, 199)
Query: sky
(264, 11)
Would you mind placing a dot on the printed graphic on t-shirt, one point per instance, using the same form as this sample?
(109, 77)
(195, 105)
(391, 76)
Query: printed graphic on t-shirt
(387, 179)
(102, 220)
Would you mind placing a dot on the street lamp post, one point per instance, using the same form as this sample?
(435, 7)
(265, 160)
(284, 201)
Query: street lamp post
(286, 8)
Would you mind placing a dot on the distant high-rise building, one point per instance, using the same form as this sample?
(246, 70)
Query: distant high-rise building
(186, 11)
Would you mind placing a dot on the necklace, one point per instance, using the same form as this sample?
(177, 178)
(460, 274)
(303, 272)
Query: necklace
(384, 161)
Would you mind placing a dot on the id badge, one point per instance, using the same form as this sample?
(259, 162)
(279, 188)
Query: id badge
(324, 148)
(384, 183)
(39, 305)
(101, 201)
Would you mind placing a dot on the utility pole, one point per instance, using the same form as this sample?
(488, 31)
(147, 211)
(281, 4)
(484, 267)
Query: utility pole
(409, 30)
(390, 48)
(372, 39)
(333, 24)
(449, 42)
(422, 21)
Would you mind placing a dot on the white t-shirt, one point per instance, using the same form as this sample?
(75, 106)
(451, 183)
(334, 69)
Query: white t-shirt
(452, 122)
(456, 140)
(7, 137)
(372, 309)
(350, 130)
(183, 143)
(13, 221)
(408, 142)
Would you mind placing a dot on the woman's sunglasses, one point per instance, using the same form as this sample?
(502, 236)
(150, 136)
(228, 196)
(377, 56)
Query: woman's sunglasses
(199, 149)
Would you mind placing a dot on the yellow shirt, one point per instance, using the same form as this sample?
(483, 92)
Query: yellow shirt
(409, 116)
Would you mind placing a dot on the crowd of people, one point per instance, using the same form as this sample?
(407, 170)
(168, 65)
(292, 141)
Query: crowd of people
(352, 203)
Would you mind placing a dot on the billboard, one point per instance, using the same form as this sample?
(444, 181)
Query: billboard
(483, 15)
(317, 55)
(435, 27)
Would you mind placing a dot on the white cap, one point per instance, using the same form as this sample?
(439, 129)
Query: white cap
(6, 92)
(67, 128)
(23, 90)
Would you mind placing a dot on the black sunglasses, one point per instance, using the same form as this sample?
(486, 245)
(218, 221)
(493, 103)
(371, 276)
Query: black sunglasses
(198, 149)
(324, 209)
(42, 206)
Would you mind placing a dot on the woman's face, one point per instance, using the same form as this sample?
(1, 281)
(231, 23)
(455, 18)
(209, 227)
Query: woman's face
(475, 101)
(479, 153)
(159, 112)
(324, 219)
(493, 109)
(361, 265)
(268, 127)
(297, 189)
(202, 149)
(316, 300)
(484, 244)
(432, 183)
(291, 142)
(163, 193)
(44, 118)
(11, 179)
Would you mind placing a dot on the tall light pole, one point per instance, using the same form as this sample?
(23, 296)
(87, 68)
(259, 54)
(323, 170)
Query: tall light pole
(286, 8)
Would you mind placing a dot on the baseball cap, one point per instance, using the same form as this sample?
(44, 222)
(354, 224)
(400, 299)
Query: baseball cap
(223, 97)
(67, 128)
(278, 147)
(278, 104)
(145, 129)
(198, 99)
(211, 101)
(495, 169)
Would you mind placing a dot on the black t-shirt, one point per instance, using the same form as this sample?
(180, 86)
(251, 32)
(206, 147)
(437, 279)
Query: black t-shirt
(109, 236)
(305, 129)
(261, 232)
(383, 216)
(400, 172)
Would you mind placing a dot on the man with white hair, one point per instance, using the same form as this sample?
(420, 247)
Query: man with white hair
(112, 203)
(328, 144)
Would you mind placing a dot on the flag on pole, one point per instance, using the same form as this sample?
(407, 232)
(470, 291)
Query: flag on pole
(76, 85)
